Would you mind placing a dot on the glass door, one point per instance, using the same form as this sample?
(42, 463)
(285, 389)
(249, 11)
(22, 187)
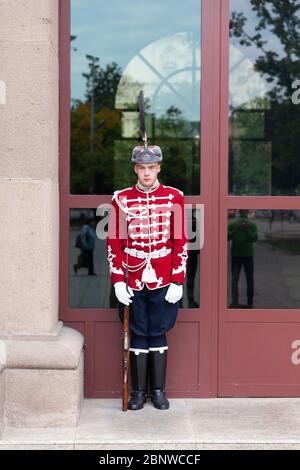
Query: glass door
(259, 200)
(105, 59)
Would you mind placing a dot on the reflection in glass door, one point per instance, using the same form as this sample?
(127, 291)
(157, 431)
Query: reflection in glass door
(263, 259)
(136, 49)
(259, 203)
(264, 64)
(106, 77)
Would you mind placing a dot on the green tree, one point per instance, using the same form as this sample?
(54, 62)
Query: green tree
(280, 68)
(95, 125)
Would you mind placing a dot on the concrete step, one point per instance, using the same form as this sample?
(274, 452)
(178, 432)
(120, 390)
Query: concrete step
(191, 424)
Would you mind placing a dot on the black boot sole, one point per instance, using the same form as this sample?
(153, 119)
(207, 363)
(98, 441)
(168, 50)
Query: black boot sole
(163, 408)
(136, 408)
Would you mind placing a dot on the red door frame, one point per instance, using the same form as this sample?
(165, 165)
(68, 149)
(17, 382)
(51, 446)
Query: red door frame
(204, 319)
(260, 318)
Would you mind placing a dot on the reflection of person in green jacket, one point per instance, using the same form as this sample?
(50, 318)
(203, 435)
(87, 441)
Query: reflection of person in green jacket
(243, 233)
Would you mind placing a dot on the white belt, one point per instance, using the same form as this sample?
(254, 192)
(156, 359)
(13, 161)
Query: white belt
(161, 253)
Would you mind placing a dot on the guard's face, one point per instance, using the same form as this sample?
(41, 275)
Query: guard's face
(147, 173)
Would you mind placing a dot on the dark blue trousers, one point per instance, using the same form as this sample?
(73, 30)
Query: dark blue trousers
(150, 317)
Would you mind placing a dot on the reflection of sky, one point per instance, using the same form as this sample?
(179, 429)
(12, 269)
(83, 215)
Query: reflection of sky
(116, 30)
(246, 83)
(272, 44)
(168, 71)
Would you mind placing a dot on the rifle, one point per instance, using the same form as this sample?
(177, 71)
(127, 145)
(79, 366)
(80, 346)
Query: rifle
(141, 109)
(126, 344)
(126, 347)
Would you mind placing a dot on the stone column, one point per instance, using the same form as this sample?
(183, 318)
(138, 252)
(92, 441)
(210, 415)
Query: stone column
(40, 360)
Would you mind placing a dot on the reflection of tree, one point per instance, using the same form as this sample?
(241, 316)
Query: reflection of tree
(280, 68)
(95, 126)
(249, 153)
(171, 124)
(91, 170)
(91, 77)
(106, 84)
(104, 133)
(180, 149)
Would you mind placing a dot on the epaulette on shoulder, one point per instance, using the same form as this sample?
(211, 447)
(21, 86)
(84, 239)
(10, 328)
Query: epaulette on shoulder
(174, 189)
(117, 197)
(119, 192)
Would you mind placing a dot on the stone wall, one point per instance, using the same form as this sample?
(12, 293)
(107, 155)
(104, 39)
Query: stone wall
(29, 248)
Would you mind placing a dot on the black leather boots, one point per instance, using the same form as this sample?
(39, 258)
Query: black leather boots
(139, 372)
(158, 369)
(157, 362)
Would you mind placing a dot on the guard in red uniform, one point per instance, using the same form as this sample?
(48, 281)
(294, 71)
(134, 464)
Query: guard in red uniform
(147, 239)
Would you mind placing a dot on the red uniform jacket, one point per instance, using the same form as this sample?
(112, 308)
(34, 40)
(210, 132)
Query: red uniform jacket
(147, 232)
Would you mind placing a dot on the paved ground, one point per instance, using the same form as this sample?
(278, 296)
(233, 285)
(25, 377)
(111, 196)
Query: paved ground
(223, 423)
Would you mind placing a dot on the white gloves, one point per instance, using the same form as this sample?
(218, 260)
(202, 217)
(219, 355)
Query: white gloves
(122, 294)
(174, 293)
